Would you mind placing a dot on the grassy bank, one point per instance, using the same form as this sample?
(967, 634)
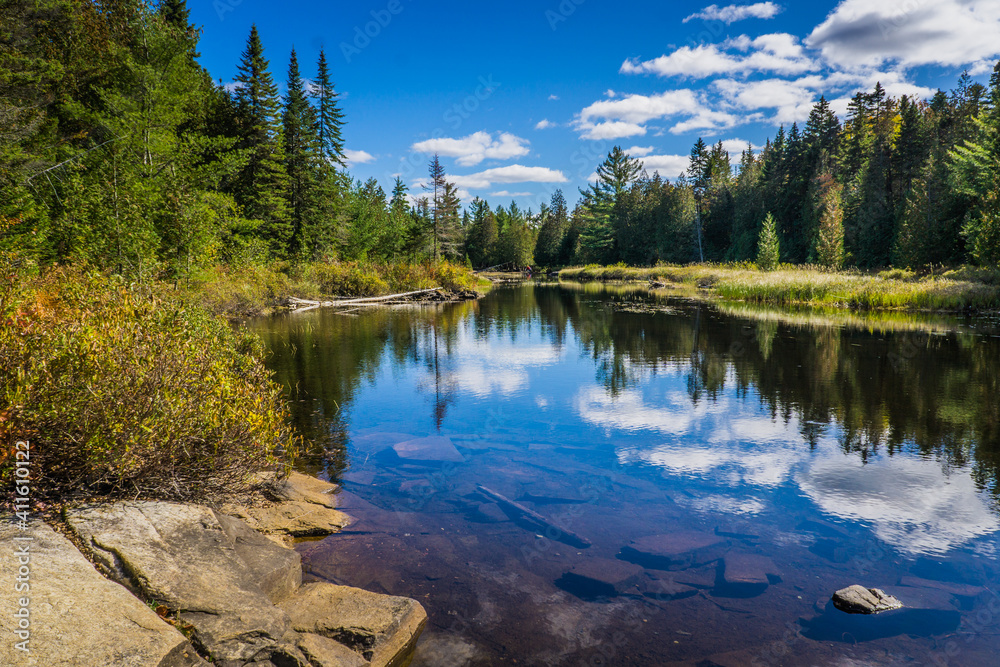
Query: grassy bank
(955, 290)
(257, 290)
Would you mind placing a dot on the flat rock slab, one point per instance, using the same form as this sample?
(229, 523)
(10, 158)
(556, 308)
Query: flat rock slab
(548, 492)
(106, 626)
(961, 590)
(684, 548)
(276, 569)
(324, 652)
(860, 600)
(382, 628)
(748, 569)
(308, 489)
(661, 585)
(180, 556)
(602, 577)
(295, 518)
(435, 449)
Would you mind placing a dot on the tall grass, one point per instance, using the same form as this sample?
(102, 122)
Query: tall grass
(258, 289)
(956, 290)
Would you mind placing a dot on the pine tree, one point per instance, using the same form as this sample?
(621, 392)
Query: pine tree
(768, 250)
(262, 186)
(329, 117)
(614, 176)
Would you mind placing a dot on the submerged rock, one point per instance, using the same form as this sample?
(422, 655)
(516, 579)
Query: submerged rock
(382, 628)
(860, 600)
(435, 449)
(77, 616)
(601, 577)
(685, 548)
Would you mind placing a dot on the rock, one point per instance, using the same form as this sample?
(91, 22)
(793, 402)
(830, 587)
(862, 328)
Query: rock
(661, 585)
(961, 590)
(277, 570)
(435, 449)
(601, 577)
(323, 652)
(491, 512)
(684, 548)
(548, 492)
(106, 625)
(299, 487)
(295, 518)
(382, 628)
(860, 600)
(179, 556)
(741, 568)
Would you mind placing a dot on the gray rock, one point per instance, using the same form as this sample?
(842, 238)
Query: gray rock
(105, 626)
(180, 556)
(860, 600)
(324, 652)
(382, 628)
(435, 449)
(276, 569)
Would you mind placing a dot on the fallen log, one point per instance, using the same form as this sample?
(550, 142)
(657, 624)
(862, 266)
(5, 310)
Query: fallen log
(364, 300)
(562, 534)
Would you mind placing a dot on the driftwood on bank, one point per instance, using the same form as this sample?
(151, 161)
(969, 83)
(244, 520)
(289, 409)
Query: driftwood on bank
(302, 305)
(561, 533)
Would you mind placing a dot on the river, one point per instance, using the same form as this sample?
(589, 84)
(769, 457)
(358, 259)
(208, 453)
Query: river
(794, 452)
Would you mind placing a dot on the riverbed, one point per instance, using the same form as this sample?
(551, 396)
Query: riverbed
(808, 450)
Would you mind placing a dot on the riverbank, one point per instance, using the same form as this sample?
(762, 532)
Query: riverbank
(956, 290)
(140, 583)
(263, 289)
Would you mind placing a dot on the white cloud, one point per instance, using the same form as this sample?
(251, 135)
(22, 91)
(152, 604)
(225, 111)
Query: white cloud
(358, 157)
(475, 148)
(732, 13)
(942, 32)
(643, 108)
(514, 173)
(779, 52)
(669, 166)
(639, 151)
(553, 97)
(505, 193)
(544, 124)
(707, 120)
(612, 129)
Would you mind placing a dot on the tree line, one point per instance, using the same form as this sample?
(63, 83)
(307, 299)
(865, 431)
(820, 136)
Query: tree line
(117, 148)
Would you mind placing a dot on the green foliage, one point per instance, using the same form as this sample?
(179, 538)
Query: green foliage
(768, 250)
(132, 392)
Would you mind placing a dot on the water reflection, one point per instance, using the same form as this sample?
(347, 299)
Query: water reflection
(863, 446)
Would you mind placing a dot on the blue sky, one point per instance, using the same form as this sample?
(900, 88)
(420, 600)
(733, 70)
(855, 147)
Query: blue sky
(522, 98)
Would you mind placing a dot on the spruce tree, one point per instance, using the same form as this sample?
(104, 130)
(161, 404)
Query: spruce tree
(301, 155)
(329, 117)
(261, 189)
(828, 247)
(768, 250)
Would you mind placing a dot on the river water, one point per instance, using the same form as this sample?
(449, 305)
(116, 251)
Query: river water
(784, 454)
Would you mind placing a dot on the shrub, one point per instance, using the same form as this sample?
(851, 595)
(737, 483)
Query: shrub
(124, 391)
